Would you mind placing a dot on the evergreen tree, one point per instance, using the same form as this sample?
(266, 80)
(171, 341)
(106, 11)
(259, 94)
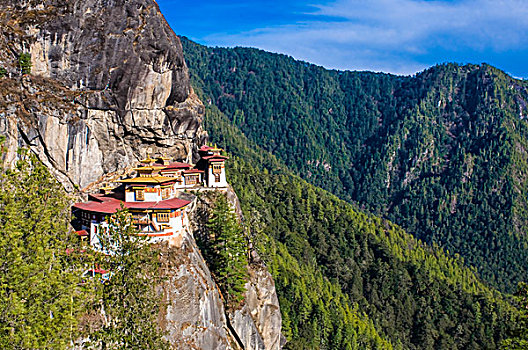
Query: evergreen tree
(519, 338)
(226, 250)
(441, 153)
(39, 296)
(24, 62)
(128, 301)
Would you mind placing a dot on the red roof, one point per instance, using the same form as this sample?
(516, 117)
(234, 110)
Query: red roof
(82, 233)
(205, 148)
(174, 203)
(176, 165)
(215, 157)
(193, 171)
(109, 205)
(169, 183)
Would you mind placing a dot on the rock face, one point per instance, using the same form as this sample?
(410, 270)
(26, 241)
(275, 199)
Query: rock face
(128, 84)
(195, 316)
(259, 321)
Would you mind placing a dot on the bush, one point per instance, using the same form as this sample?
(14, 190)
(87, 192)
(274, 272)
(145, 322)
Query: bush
(24, 62)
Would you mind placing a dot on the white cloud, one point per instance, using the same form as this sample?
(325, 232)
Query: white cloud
(392, 35)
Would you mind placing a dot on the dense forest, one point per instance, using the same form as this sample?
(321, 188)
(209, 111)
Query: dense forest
(351, 280)
(442, 153)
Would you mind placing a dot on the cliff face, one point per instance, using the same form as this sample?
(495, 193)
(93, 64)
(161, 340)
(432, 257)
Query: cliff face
(195, 315)
(256, 323)
(109, 84)
(196, 318)
(127, 86)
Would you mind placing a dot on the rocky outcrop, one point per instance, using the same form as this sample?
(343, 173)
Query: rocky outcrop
(195, 315)
(258, 322)
(124, 69)
(255, 324)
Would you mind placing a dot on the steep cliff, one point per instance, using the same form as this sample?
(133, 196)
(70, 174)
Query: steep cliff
(196, 316)
(258, 321)
(255, 323)
(108, 83)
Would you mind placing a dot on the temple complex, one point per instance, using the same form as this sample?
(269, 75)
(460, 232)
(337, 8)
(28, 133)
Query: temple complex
(152, 196)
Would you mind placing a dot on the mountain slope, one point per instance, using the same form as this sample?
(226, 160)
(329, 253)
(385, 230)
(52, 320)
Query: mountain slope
(327, 257)
(91, 87)
(442, 153)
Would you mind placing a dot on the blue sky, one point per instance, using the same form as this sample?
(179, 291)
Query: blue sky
(396, 36)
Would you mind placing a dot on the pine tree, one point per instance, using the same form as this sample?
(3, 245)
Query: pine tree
(24, 61)
(226, 251)
(519, 337)
(128, 301)
(39, 295)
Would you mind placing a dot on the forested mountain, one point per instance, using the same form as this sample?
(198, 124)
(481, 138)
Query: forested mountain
(348, 280)
(441, 153)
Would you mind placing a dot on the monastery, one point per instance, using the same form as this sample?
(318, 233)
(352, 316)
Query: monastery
(152, 196)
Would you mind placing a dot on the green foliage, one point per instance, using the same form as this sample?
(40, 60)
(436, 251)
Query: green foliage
(414, 295)
(24, 62)
(396, 289)
(128, 300)
(519, 337)
(39, 296)
(3, 72)
(442, 153)
(316, 314)
(225, 249)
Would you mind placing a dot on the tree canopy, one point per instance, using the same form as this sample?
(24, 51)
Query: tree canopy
(224, 246)
(40, 298)
(442, 153)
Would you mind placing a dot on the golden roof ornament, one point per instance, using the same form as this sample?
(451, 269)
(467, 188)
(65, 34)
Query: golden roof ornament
(148, 160)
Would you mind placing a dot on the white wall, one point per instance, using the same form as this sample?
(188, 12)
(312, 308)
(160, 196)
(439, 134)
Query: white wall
(211, 178)
(130, 196)
(152, 196)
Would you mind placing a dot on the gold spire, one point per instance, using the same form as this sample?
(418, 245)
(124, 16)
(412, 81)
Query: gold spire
(147, 160)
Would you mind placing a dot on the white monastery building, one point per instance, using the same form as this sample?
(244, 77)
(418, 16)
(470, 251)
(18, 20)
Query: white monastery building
(151, 197)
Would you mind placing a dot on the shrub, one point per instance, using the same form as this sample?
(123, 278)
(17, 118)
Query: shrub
(24, 62)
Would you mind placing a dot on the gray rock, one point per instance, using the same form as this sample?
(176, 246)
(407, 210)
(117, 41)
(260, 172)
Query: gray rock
(129, 82)
(258, 323)
(195, 315)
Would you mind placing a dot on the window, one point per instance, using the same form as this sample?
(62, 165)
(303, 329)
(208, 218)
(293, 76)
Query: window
(217, 177)
(163, 217)
(217, 168)
(140, 195)
(192, 180)
(165, 193)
